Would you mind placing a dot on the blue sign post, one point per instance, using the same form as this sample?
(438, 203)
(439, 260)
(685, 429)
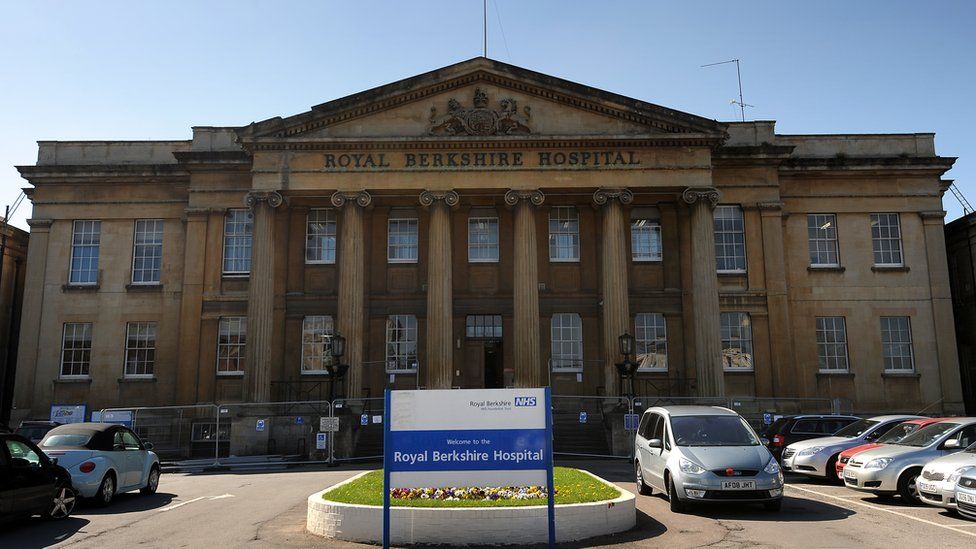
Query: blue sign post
(490, 437)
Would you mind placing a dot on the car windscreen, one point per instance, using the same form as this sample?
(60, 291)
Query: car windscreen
(712, 431)
(32, 433)
(66, 441)
(898, 433)
(856, 429)
(928, 434)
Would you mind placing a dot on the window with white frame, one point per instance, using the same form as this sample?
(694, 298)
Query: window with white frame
(645, 234)
(730, 239)
(147, 251)
(736, 333)
(76, 345)
(231, 345)
(401, 343)
(651, 336)
(140, 349)
(564, 236)
(886, 239)
(320, 236)
(896, 344)
(402, 234)
(238, 227)
(822, 238)
(483, 239)
(832, 343)
(567, 342)
(317, 332)
(86, 238)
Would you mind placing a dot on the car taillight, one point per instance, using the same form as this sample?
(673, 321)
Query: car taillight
(87, 467)
(779, 440)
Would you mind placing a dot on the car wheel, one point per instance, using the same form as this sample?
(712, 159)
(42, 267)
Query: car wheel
(642, 488)
(908, 487)
(773, 506)
(831, 472)
(152, 483)
(676, 505)
(106, 490)
(64, 502)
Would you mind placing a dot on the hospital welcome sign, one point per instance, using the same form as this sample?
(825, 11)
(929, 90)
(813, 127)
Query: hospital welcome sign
(489, 437)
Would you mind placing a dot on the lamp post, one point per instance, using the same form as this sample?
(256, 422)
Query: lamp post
(336, 369)
(628, 367)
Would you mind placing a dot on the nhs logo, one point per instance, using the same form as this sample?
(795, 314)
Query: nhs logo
(525, 401)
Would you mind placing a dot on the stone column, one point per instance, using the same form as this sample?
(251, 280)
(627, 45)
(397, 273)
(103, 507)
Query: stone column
(613, 269)
(440, 306)
(528, 362)
(260, 296)
(30, 325)
(351, 262)
(704, 283)
(191, 307)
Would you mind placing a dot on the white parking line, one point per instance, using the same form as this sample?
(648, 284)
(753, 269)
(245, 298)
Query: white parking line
(182, 503)
(876, 508)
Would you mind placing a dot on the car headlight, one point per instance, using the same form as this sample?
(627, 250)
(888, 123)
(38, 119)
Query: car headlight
(878, 463)
(690, 467)
(772, 467)
(954, 477)
(810, 451)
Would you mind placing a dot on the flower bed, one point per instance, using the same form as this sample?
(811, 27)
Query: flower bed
(474, 493)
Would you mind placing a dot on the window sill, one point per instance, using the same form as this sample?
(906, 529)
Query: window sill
(235, 276)
(750, 371)
(551, 260)
(646, 261)
(146, 379)
(315, 373)
(399, 372)
(909, 375)
(649, 371)
(71, 380)
(320, 262)
(848, 375)
(826, 269)
(890, 268)
(80, 287)
(482, 261)
(730, 273)
(155, 287)
(230, 374)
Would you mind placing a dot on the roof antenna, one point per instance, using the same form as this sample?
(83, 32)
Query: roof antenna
(742, 105)
(484, 28)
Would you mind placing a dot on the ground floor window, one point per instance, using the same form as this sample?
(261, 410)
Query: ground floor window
(651, 336)
(231, 345)
(896, 343)
(401, 343)
(140, 349)
(76, 345)
(832, 343)
(736, 333)
(567, 342)
(317, 344)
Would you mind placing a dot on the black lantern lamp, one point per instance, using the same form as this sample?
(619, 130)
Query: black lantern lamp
(626, 344)
(337, 370)
(627, 368)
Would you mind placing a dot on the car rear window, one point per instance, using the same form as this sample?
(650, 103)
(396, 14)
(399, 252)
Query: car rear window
(64, 441)
(928, 434)
(32, 433)
(776, 426)
(899, 432)
(807, 426)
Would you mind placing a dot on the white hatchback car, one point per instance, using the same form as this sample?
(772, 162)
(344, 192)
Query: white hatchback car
(103, 459)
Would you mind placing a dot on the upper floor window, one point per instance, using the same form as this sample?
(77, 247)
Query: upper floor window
(76, 346)
(401, 344)
(645, 235)
(730, 239)
(483, 239)
(886, 239)
(736, 333)
(320, 236)
(896, 344)
(147, 251)
(832, 343)
(567, 342)
(317, 334)
(140, 349)
(402, 237)
(85, 241)
(238, 227)
(564, 239)
(231, 345)
(822, 237)
(651, 336)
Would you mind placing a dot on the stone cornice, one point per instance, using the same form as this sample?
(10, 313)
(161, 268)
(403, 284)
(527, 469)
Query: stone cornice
(483, 143)
(936, 165)
(99, 173)
(37, 223)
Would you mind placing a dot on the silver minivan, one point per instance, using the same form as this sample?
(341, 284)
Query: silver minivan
(704, 454)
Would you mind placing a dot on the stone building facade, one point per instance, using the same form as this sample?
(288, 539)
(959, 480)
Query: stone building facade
(484, 225)
(13, 255)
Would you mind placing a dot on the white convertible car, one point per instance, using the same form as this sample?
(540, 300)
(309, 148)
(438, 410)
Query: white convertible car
(103, 459)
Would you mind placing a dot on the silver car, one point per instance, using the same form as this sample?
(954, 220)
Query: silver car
(894, 468)
(937, 485)
(701, 454)
(818, 456)
(966, 494)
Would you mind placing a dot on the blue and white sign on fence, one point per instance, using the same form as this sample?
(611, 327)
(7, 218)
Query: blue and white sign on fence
(479, 437)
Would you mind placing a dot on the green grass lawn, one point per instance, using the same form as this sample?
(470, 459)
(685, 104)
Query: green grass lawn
(572, 486)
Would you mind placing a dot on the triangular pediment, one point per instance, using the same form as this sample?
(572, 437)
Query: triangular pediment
(483, 99)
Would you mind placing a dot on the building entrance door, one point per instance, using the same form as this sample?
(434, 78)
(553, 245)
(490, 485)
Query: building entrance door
(494, 373)
(482, 366)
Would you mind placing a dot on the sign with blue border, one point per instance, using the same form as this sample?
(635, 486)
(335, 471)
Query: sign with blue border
(477, 437)
(68, 413)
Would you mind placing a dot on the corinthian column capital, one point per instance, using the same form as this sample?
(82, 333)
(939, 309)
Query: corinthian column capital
(692, 195)
(427, 198)
(515, 196)
(604, 195)
(360, 198)
(273, 198)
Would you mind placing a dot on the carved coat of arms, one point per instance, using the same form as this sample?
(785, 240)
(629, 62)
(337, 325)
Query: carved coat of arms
(480, 120)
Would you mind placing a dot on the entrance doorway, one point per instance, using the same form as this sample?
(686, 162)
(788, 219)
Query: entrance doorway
(483, 364)
(494, 373)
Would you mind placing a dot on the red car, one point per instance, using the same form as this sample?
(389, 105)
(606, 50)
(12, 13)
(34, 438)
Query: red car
(896, 433)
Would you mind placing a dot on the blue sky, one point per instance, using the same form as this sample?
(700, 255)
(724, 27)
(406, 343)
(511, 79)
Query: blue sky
(150, 70)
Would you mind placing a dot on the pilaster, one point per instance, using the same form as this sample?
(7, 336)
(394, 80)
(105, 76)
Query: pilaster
(31, 319)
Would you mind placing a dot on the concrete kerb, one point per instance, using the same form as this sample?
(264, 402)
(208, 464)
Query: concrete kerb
(470, 526)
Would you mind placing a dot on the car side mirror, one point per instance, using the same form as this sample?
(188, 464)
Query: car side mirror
(951, 444)
(655, 443)
(148, 445)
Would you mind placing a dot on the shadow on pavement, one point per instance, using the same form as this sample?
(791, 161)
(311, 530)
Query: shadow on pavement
(131, 502)
(37, 532)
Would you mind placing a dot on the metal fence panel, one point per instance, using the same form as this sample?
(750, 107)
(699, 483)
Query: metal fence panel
(275, 432)
(176, 432)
